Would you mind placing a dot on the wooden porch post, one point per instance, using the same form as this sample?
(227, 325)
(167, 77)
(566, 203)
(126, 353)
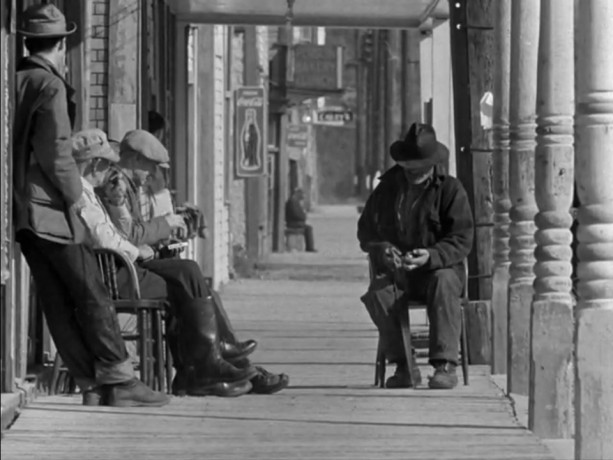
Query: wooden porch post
(522, 106)
(500, 187)
(551, 348)
(594, 176)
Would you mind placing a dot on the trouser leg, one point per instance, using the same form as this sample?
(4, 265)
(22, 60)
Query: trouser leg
(77, 270)
(443, 290)
(186, 282)
(308, 238)
(61, 321)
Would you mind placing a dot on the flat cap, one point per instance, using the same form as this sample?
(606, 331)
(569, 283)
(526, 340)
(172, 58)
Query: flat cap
(92, 143)
(147, 145)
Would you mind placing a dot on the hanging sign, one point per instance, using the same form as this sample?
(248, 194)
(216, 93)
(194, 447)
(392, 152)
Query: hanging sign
(318, 67)
(250, 134)
(297, 136)
(334, 116)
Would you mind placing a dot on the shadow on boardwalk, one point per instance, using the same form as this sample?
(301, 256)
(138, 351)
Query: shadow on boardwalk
(305, 312)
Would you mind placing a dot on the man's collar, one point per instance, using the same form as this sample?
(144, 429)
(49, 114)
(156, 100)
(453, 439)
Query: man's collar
(86, 184)
(43, 63)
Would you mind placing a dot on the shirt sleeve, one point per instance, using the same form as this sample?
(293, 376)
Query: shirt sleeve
(102, 231)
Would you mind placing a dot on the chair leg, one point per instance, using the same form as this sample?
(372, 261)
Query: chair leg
(142, 338)
(150, 350)
(168, 368)
(464, 347)
(380, 365)
(405, 327)
(159, 350)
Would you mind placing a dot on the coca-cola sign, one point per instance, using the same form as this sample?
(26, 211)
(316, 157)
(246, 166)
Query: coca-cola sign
(249, 131)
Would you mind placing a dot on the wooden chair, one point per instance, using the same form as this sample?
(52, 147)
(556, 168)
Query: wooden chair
(155, 361)
(407, 336)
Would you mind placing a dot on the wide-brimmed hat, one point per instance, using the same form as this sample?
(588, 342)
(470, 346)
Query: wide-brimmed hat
(147, 145)
(45, 21)
(419, 149)
(92, 143)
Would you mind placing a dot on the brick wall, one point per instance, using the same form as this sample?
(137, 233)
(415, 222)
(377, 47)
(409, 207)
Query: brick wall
(99, 65)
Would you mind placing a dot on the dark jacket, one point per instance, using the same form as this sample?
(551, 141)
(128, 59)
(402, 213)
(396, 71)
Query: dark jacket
(295, 215)
(443, 217)
(46, 180)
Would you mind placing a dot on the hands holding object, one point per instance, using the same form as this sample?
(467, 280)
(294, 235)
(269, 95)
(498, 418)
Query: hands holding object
(415, 259)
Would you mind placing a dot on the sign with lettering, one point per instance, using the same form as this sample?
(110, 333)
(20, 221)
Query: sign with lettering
(318, 67)
(334, 116)
(250, 131)
(297, 136)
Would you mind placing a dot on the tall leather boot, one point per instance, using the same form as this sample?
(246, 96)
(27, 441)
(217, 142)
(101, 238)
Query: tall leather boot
(231, 348)
(207, 373)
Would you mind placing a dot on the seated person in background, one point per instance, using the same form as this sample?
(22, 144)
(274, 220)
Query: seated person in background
(187, 289)
(295, 218)
(417, 227)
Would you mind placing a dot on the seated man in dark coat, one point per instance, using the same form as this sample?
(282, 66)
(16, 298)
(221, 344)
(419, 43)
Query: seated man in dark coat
(295, 218)
(417, 226)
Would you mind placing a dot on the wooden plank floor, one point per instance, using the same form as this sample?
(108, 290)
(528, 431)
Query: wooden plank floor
(316, 330)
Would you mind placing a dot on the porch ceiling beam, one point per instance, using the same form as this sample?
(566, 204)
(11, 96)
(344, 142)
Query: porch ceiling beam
(325, 13)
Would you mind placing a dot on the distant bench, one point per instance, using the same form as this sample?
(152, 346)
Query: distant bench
(294, 239)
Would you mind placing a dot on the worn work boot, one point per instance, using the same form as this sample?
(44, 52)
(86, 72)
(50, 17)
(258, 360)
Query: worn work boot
(444, 377)
(134, 393)
(266, 383)
(400, 379)
(208, 373)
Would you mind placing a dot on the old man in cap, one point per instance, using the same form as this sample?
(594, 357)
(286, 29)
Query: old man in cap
(417, 227)
(142, 156)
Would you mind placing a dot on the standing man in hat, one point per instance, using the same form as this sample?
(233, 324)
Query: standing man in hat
(47, 196)
(417, 227)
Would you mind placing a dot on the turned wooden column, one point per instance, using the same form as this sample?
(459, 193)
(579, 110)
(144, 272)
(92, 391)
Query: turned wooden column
(500, 186)
(594, 176)
(551, 351)
(522, 106)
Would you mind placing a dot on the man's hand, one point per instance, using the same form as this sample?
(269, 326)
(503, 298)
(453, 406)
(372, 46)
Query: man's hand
(145, 252)
(415, 259)
(392, 257)
(175, 221)
(114, 192)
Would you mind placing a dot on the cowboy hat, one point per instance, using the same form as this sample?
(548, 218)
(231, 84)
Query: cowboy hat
(45, 21)
(419, 149)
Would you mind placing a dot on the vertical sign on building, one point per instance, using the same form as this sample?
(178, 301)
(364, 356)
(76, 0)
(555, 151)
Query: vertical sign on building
(250, 131)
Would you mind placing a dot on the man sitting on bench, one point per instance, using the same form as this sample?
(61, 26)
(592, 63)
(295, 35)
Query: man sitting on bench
(295, 218)
(417, 226)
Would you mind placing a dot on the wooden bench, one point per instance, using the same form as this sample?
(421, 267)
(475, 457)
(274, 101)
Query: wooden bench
(294, 239)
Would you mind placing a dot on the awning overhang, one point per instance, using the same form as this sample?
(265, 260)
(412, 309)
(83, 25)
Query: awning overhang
(324, 13)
